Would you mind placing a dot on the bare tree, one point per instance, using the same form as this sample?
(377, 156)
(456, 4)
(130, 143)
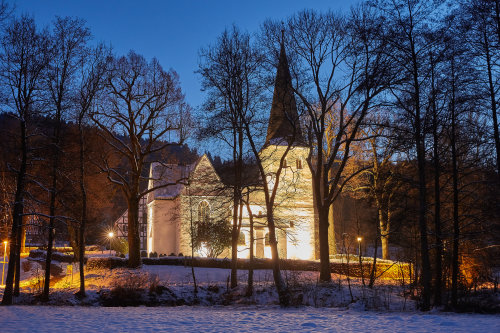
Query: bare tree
(144, 105)
(380, 181)
(481, 21)
(24, 59)
(69, 39)
(93, 69)
(407, 24)
(339, 69)
(229, 69)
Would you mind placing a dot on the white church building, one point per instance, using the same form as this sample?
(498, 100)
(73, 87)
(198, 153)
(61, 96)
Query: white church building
(196, 193)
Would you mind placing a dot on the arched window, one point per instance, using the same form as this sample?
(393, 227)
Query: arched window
(241, 239)
(266, 239)
(203, 212)
(299, 163)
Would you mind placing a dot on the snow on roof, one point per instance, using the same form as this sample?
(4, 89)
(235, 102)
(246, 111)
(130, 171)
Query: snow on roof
(174, 174)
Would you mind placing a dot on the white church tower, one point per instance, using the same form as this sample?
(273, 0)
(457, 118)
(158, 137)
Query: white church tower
(294, 207)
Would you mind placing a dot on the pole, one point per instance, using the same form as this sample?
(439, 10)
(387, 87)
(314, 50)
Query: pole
(360, 261)
(110, 236)
(4, 262)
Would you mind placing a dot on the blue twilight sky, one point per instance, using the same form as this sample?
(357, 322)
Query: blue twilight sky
(171, 30)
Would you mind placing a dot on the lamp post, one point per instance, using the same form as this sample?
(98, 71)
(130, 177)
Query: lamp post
(110, 236)
(4, 262)
(360, 261)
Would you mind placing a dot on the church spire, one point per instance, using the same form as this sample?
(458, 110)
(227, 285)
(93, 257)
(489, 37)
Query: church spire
(284, 119)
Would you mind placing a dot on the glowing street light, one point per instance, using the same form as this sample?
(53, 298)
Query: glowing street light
(111, 234)
(4, 262)
(359, 246)
(360, 261)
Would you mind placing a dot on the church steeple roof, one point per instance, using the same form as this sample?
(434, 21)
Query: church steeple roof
(284, 119)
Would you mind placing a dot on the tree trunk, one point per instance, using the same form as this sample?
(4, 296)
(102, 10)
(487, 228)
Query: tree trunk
(83, 220)
(17, 215)
(456, 229)
(331, 225)
(437, 197)
(238, 160)
(324, 255)
(384, 234)
(250, 263)
(23, 237)
(17, 280)
(373, 271)
(52, 205)
(51, 231)
(422, 210)
(496, 135)
(134, 242)
(437, 220)
(73, 234)
(284, 297)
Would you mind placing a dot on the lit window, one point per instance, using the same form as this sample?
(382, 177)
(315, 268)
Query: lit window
(299, 163)
(241, 239)
(267, 240)
(203, 212)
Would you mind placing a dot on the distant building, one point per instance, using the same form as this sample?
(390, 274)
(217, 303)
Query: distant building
(121, 224)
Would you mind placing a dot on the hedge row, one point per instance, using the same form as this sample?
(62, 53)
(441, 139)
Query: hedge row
(384, 269)
(107, 262)
(57, 256)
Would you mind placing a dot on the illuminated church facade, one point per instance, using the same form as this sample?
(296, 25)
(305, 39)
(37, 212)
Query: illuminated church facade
(172, 210)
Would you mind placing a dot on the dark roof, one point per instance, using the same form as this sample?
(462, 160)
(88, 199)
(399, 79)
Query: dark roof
(284, 117)
(173, 178)
(163, 174)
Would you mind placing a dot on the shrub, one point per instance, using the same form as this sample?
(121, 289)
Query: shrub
(61, 257)
(120, 245)
(112, 262)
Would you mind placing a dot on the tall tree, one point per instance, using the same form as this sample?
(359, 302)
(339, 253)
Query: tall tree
(24, 59)
(481, 20)
(407, 23)
(69, 39)
(143, 106)
(229, 69)
(339, 69)
(93, 70)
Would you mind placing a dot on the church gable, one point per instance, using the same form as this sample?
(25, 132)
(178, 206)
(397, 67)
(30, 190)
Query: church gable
(203, 179)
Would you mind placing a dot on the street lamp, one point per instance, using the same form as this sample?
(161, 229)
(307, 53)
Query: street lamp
(4, 262)
(360, 261)
(111, 234)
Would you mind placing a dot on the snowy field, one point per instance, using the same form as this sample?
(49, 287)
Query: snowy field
(233, 319)
(335, 307)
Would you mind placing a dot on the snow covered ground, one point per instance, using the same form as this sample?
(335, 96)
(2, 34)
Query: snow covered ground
(329, 308)
(232, 319)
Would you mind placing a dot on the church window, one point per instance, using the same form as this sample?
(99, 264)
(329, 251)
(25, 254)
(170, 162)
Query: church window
(284, 164)
(299, 163)
(266, 241)
(203, 212)
(241, 239)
